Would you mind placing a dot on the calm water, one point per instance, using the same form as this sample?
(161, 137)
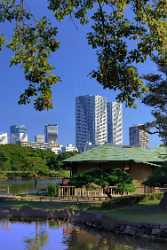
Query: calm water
(17, 186)
(54, 236)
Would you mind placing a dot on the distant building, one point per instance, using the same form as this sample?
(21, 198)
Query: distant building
(18, 134)
(40, 138)
(51, 133)
(56, 148)
(115, 123)
(91, 121)
(138, 137)
(70, 148)
(3, 138)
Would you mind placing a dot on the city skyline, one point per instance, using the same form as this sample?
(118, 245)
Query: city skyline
(75, 81)
(110, 105)
(31, 135)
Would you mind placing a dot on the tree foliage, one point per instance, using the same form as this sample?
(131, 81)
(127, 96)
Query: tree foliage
(32, 43)
(112, 177)
(157, 99)
(111, 30)
(159, 178)
(113, 24)
(31, 162)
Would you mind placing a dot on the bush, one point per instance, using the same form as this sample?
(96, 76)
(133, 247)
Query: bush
(130, 200)
(123, 201)
(153, 196)
(158, 178)
(53, 189)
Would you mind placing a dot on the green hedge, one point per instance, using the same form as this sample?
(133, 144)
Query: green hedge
(130, 200)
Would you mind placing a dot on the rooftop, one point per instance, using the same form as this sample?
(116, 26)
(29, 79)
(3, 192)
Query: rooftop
(108, 152)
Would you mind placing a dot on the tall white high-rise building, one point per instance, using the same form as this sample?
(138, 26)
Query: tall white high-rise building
(3, 138)
(91, 121)
(98, 122)
(115, 123)
(18, 134)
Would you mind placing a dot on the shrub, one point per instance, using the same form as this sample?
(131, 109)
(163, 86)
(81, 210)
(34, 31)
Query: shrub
(131, 200)
(53, 189)
(153, 196)
(123, 201)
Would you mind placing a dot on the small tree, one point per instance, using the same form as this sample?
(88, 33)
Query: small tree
(113, 177)
(158, 179)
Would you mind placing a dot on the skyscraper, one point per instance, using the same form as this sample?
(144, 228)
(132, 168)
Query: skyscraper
(51, 133)
(18, 134)
(138, 137)
(115, 123)
(91, 121)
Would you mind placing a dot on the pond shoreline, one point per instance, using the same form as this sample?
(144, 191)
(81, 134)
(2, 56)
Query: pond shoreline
(27, 213)
(105, 223)
(95, 220)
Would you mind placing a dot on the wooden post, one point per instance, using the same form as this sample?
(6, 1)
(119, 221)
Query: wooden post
(8, 190)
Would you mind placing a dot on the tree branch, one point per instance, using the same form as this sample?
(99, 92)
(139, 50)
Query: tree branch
(103, 22)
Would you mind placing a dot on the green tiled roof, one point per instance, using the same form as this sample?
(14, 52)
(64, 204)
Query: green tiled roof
(108, 152)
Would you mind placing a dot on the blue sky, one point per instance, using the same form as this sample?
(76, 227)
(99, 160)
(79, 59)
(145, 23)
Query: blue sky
(73, 62)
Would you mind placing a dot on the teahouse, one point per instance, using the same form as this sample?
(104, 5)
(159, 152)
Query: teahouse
(138, 162)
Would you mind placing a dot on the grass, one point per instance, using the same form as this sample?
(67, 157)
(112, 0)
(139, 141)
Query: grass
(145, 212)
(50, 205)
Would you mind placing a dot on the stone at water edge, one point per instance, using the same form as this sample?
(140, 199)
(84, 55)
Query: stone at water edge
(163, 202)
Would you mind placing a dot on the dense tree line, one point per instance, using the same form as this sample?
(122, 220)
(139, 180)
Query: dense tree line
(30, 162)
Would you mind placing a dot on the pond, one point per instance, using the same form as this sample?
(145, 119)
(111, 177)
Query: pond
(58, 236)
(16, 186)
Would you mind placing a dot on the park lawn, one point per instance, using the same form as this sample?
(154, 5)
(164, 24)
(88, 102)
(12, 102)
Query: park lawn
(144, 212)
(50, 205)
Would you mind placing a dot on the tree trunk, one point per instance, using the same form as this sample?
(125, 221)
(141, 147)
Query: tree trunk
(108, 192)
(163, 202)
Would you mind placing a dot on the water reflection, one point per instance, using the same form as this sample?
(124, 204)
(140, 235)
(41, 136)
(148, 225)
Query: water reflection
(89, 240)
(59, 236)
(40, 238)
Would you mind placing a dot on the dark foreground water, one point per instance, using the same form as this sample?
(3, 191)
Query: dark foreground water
(58, 236)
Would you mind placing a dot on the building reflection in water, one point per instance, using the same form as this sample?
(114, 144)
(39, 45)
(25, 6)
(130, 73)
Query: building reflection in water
(5, 224)
(40, 238)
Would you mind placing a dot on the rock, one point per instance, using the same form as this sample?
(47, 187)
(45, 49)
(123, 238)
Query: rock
(4, 213)
(62, 214)
(163, 227)
(156, 231)
(130, 230)
(163, 234)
